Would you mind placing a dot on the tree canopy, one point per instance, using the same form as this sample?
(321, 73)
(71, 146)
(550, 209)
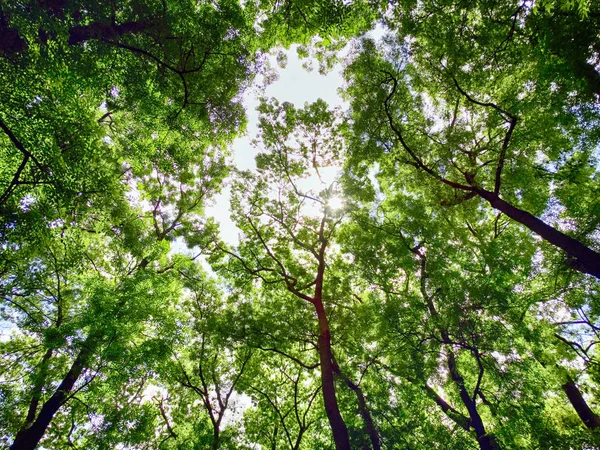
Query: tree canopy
(440, 290)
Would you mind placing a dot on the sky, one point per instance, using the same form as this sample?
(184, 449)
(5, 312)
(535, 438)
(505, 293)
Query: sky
(295, 85)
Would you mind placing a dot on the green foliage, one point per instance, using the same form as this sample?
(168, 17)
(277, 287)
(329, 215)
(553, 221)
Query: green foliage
(369, 250)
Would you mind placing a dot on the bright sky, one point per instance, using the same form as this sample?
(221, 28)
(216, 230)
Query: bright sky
(295, 85)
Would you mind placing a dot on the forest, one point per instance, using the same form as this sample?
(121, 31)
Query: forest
(442, 291)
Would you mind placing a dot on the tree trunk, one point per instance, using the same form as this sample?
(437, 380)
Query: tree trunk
(216, 438)
(488, 442)
(362, 406)
(338, 426)
(37, 388)
(585, 413)
(274, 440)
(367, 419)
(29, 438)
(452, 413)
(485, 441)
(298, 439)
(584, 259)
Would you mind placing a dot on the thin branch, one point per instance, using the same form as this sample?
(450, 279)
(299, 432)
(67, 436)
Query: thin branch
(15, 181)
(502, 112)
(166, 419)
(505, 143)
(293, 358)
(19, 145)
(277, 411)
(479, 377)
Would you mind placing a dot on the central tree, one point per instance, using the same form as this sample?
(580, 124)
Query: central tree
(285, 212)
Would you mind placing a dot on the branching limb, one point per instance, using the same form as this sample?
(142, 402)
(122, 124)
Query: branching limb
(163, 413)
(416, 159)
(293, 358)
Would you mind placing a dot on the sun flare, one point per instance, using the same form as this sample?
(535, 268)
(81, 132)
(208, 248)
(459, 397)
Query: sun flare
(335, 203)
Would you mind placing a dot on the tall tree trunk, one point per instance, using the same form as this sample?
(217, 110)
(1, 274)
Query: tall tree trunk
(37, 388)
(216, 437)
(362, 406)
(485, 441)
(338, 426)
(585, 413)
(584, 259)
(29, 438)
(40, 382)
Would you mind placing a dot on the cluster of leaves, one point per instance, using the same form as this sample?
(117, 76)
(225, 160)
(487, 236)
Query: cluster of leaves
(420, 271)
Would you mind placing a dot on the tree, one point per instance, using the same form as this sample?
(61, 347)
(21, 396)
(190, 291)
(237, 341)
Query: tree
(101, 104)
(471, 118)
(287, 232)
(79, 316)
(214, 369)
(98, 270)
(452, 326)
(119, 74)
(289, 400)
(419, 262)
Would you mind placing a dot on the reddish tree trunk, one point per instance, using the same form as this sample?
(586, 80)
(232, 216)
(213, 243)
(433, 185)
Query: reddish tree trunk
(338, 426)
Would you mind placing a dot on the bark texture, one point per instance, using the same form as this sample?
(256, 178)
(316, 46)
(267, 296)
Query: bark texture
(336, 421)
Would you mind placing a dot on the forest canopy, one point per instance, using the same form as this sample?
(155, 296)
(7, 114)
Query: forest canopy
(441, 292)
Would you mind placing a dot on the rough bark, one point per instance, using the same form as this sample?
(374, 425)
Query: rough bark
(585, 413)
